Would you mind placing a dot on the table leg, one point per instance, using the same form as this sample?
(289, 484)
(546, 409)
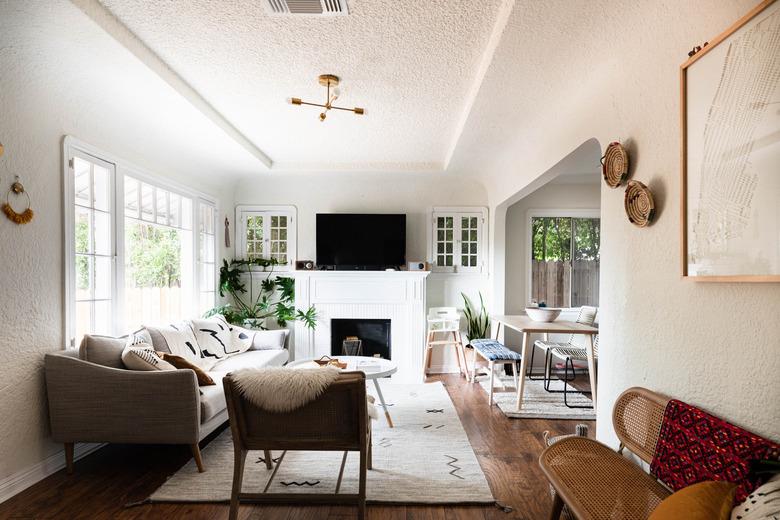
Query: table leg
(591, 369)
(382, 402)
(527, 346)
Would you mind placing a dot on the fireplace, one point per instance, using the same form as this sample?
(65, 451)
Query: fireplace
(374, 335)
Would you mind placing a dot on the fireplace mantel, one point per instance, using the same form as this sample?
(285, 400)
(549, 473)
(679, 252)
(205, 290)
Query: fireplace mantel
(395, 295)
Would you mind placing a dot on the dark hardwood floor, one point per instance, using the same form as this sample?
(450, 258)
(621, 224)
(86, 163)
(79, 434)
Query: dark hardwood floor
(107, 480)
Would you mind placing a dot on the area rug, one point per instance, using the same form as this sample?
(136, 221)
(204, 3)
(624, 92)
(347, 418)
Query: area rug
(537, 402)
(425, 459)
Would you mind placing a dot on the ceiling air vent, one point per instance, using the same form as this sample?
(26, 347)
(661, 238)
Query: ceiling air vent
(315, 7)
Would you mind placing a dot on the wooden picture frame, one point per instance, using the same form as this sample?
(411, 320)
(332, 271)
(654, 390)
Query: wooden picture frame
(768, 9)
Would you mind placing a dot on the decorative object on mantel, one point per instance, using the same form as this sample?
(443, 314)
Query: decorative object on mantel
(328, 81)
(227, 232)
(19, 218)
(639, 204)
(614, 165)
(304, 265)
(730, 91)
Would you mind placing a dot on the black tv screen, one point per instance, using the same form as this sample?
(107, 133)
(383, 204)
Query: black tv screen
(360, 241)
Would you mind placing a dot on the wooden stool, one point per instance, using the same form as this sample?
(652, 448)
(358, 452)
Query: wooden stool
(445, 321)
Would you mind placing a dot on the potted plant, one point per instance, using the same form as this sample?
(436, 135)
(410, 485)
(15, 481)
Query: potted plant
(274, 300)
(478, 321)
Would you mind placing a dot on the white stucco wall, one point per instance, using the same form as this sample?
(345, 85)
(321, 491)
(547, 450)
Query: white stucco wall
(53, 83)
(616, 76)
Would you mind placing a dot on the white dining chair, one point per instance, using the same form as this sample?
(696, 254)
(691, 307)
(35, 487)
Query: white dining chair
(444, 331)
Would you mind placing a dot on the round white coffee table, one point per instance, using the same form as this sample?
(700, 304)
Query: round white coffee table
(373, 368)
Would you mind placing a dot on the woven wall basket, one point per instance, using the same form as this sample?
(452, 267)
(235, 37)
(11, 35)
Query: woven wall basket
(639, 204)
(614, 165)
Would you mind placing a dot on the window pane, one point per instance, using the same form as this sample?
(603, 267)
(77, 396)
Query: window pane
(449, 261)
(474, 222)
(474, 234)
(162, 206)
(103, 278)
(283, 221)
(174, 209)
(448, 235)
(207, 248)
(186, 213)
(464, 260)
(147, 202)
(585, 267)
(102, 233)
(440, 259)
(84, 266)
(83, 238)
(440, 222)
(473, 261)
(81, 182)
(83, 320)
(131, 197)
(440, 235)
(101, 188)
(448, 222)
(207, 277)
(473, 247)
(283, 234)
(102, 323)
(274, 234)
(274, 221)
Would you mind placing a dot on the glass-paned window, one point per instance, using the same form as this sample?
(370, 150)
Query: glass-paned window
(266, 233)
(93, 246)
(207, 216)
(457, 241)
(158, 278)
(565, 260)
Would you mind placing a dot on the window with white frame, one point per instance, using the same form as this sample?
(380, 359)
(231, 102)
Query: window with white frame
(266, 232)
(459, 240)
(130, 246)
(564, 257)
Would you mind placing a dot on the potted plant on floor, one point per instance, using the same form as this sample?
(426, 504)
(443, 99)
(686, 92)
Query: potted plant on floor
(478, 320)
(274, 299)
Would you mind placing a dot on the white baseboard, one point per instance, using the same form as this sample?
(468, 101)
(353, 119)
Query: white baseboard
(25, 478)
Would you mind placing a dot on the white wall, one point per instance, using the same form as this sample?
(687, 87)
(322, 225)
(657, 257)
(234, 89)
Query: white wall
(412, 194)
(54, 84)
(616, 76)
(568, 196)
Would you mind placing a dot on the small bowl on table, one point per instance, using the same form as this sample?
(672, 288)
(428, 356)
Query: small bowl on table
(543, 314)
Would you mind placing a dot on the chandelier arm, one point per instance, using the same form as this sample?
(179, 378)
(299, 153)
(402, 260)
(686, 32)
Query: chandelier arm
(341, 108)
(313, 104)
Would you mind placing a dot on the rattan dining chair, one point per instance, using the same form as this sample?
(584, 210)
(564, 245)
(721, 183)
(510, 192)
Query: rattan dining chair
(336, 421)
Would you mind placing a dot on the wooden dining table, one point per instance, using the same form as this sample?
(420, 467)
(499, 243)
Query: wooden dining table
(526, 326)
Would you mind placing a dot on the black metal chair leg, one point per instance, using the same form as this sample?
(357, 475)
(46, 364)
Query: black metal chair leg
(565, 384)
(531, 367)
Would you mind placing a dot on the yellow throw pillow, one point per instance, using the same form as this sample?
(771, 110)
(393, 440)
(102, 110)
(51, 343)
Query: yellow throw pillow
(709, 500)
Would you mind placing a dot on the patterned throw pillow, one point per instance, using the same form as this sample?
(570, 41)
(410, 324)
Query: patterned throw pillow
(214, 337)
(241, 339)
(141, 356)
(181, 341)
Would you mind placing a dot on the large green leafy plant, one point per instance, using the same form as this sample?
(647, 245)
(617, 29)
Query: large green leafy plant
(478, 320)
(275, 299)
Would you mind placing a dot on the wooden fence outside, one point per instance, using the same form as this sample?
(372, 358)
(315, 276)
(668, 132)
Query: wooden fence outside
(551, 280)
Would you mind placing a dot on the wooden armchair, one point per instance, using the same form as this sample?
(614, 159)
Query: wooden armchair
(336, 421)
(596, 482)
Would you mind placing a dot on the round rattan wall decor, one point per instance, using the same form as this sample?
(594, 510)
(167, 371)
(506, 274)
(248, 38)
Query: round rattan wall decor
(639, 204)
(614, 165)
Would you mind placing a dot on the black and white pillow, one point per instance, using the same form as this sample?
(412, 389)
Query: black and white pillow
(141, 356)
(242, 339)
(214, 337)
(181, 341)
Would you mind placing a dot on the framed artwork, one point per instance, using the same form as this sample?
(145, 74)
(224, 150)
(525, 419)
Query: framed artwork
(731, 153)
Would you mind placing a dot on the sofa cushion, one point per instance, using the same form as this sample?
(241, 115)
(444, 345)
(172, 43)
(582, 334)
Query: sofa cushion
(179, 339)
(253, 359)
(179, 362)
(102, 350)
(212, 400)
(270, 339)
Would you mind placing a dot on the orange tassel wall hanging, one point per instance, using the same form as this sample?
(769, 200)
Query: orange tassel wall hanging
(18, 218)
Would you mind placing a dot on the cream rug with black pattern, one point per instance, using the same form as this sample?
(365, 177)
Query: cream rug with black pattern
(425, 459)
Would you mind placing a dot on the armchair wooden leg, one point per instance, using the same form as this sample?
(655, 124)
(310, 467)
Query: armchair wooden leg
(238, 477)
(269, 463)
(69, 458)
(557, 508)
(196, 455)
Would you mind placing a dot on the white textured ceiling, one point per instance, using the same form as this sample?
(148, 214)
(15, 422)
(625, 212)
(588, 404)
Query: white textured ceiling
(410, 63)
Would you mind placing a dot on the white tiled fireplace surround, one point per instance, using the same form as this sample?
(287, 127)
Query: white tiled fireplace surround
(395, 295)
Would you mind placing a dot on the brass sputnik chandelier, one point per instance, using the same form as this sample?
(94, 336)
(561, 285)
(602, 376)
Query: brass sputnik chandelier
(328, 81)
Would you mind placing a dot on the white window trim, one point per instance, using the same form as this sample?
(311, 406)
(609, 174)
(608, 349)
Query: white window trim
(530, 214)
(291, 212)
(72, 146)
(482, 253)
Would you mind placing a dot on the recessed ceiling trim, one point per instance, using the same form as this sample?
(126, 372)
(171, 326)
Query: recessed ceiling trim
(487, 58)
(119, 32)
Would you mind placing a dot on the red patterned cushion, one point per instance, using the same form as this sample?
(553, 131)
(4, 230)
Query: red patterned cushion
(694, 446)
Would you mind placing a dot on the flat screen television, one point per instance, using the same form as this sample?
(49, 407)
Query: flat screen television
(349, 241)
